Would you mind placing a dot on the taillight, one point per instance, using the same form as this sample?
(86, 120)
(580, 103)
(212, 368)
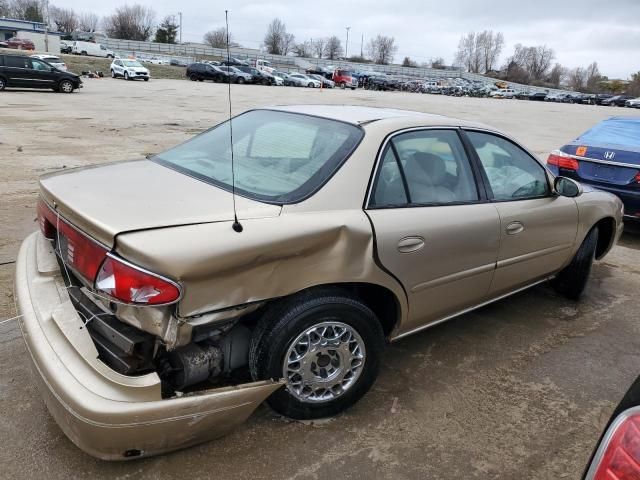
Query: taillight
(619, 457)
(637, 177)
(79, 252)
(562, 160)
(131, 284)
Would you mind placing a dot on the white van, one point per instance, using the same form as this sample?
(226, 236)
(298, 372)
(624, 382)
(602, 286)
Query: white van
(91, 49)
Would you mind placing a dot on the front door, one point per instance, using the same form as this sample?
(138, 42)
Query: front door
(44, 76)
(434, 229)
(537, 228)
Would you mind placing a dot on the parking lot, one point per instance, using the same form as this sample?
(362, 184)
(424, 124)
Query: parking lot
(518, 389)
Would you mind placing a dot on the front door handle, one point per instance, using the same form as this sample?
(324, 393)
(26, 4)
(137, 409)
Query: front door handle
(410, 244)
(514, 228)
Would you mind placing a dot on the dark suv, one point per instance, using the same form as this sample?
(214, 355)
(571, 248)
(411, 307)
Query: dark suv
(204, 71)
(25, 72)
(259, 76)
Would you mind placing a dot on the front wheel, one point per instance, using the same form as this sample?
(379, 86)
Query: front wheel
(3, 84)
(571, 281)
(126, 76)
(65, 86)
(327, 346)
(310, 84)
(240, 80)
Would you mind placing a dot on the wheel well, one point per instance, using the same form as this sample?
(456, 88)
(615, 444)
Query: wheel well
(606, 233)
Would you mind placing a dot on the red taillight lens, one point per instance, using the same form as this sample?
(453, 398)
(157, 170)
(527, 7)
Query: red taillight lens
(562, 160)
(621, 459)
(637, 177)
(130, 284)
(79, 252)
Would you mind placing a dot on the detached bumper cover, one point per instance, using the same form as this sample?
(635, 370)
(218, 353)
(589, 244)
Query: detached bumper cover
(108, 415)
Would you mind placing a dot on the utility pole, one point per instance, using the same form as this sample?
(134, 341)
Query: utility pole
(346, 48)
(46, 26)
(180, 15)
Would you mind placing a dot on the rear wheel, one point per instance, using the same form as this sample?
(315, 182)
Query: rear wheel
(113, 74)
(65, 86)
(193, 77)
(240, 80)
(310, 84)
(327, 346)
(343, 85)
(571, 281)
(3, 84)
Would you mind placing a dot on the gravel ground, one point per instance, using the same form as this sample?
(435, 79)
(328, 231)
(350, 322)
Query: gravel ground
(518, 389)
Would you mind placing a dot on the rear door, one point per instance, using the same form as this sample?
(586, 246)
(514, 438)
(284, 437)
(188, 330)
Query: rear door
(434, 229)
(537, 228)
(17, 71)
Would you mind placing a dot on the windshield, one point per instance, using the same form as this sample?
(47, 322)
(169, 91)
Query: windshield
(620, 132)
(279, 157)
(131, 63)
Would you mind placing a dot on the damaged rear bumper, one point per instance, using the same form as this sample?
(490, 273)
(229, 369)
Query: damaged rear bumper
(106, 414)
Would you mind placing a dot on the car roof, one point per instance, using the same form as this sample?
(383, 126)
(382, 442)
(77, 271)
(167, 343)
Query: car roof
(358, 115)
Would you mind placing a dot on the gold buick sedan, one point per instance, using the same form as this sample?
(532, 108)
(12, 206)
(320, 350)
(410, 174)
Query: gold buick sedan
(164, 299)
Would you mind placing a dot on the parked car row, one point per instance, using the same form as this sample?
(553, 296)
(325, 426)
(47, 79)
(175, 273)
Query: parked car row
(18, 44)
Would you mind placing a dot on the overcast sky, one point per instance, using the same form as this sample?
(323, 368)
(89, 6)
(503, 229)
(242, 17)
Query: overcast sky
(580, 31)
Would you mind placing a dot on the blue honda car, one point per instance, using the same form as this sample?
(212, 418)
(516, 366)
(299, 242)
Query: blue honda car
(606, 157)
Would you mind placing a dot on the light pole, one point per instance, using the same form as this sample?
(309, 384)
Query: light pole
(346, 47)
(46, 26)
(180, 15)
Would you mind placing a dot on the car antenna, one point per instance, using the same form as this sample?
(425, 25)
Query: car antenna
(236, 224)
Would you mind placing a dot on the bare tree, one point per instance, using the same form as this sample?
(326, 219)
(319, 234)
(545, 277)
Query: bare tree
(437, 63)
(535, 61)
(489, 47)
(634, 84)
(333, 48)
(65, 20)
(131, 22)
(319, 46)
(557, 75)
(593, 77)
(469, 55)
(577, 78)
(407, 62)
(4, 8)
(26, 10)
(303, 49)
(218, 38)
(382, 49)
(88, 22)
(277, 40)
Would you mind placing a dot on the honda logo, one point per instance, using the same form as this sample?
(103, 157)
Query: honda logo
(609, 155)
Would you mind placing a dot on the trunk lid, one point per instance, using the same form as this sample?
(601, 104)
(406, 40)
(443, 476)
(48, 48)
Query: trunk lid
(106, 200)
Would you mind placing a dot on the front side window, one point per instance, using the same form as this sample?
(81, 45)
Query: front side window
(40, 66)
(279, 157)
(435, 169)
(512, 173)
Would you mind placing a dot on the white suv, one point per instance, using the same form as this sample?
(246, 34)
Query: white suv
(129, 69)
(503, 93)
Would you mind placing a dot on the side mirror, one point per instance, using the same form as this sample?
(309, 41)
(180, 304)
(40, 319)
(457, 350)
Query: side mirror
(567, 187)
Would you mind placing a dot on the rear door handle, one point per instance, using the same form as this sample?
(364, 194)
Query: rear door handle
(514, 228)
(410, 244)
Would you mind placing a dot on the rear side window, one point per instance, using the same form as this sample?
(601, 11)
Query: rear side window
(512, 173)
(433, 166)
(17, 62)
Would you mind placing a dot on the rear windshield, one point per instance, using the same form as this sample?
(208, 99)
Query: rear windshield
(279, 157)
(623, 133)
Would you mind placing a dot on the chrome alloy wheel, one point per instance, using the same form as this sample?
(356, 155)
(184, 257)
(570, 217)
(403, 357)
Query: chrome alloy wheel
(323, 362)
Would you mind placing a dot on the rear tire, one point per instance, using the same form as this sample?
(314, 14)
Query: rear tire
(193, 77)
(571, 281)
(3, 84)
(113, 74)
(240, 80)
(344, 340)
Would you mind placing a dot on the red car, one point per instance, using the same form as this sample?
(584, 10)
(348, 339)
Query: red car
(20, 44)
